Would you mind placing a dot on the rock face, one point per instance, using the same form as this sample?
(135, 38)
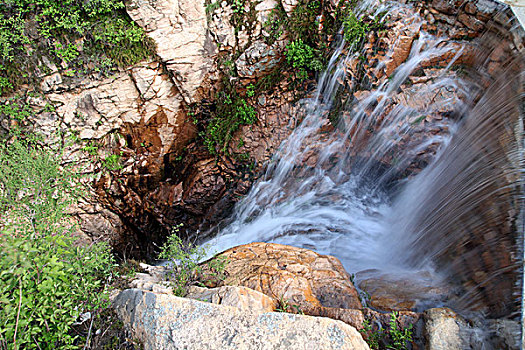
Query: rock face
(398, 293)
(166, 322)
(179, 28)
(144, 116)
(295, 276)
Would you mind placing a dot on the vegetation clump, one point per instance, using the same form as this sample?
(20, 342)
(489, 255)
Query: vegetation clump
(355, 29)
(303, 58)
(47, 280)
(35, 35)
(393, 338)
(184, 258)
(232, 112)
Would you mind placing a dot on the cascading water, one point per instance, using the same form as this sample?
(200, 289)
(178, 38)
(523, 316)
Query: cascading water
(346, 192)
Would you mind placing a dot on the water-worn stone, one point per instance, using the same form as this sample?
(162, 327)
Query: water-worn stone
(167, 322)
(292, 275)
(443, 329)
(395, 293)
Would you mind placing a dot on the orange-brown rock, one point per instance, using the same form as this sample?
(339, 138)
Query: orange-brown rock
(295, 277)
(390, 293)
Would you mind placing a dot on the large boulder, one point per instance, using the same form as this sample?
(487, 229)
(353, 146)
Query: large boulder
(162, 321)
(296, 277)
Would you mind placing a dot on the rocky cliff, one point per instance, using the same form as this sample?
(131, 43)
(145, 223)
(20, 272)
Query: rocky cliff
(179, 137)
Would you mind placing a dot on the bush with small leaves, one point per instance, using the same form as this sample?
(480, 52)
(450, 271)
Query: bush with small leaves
(184, 259)
(47, 280)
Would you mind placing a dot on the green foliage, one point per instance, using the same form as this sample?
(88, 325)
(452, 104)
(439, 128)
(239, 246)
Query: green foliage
(399, 337)
(303, 22)
(232, 112)
(72, 32)
(212, 6)
(91, 148)
(372, 336)
(250, 90)
(275, 24)
(301, 55)
(15, 109)
(46, 279)
(394, 338)
(112, 162)
(284, 305)
(184, 259)
(356, 29)
(303, 58)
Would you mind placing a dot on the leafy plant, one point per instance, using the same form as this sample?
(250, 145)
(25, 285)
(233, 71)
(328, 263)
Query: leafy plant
(393, 338)
(47, 280)
(184, 259)
(112, 162)
(284, 306)
(355, 29)
(91, 148)
(399, 337)
(232, 112)
(371, 336)
(212, 6)
(302, 57)
(15, 109)
(71, 32)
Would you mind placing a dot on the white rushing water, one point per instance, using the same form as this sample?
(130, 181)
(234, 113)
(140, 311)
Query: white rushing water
(331, 192)
(339, 206)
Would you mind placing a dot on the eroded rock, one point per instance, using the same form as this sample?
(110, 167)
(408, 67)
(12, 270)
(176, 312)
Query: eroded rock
(292, 275)
(179, 28)
(443, 329)
(241, 297)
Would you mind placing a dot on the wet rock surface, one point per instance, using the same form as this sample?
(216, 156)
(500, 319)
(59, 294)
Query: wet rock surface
(401, 293)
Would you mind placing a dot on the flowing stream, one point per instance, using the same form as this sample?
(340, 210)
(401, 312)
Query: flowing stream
(346, 192)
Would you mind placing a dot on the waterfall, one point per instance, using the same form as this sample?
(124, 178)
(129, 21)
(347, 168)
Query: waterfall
(364, 193)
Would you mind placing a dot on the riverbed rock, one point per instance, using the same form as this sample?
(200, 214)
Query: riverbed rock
(443, 329)
(401, 293)
(162, 321)
(296, 277)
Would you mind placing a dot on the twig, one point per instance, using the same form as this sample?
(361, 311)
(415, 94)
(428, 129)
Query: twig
(89, 332)
(39, 348)
(18, 313)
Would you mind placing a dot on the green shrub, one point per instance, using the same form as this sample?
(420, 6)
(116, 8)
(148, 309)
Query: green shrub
(232, 112)
(303, 58)
(112, 162)
(399, 337)
(15, 109)
(184, 259)
(71, 31)
(393, 338)
(356, 29)
(46, 279)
